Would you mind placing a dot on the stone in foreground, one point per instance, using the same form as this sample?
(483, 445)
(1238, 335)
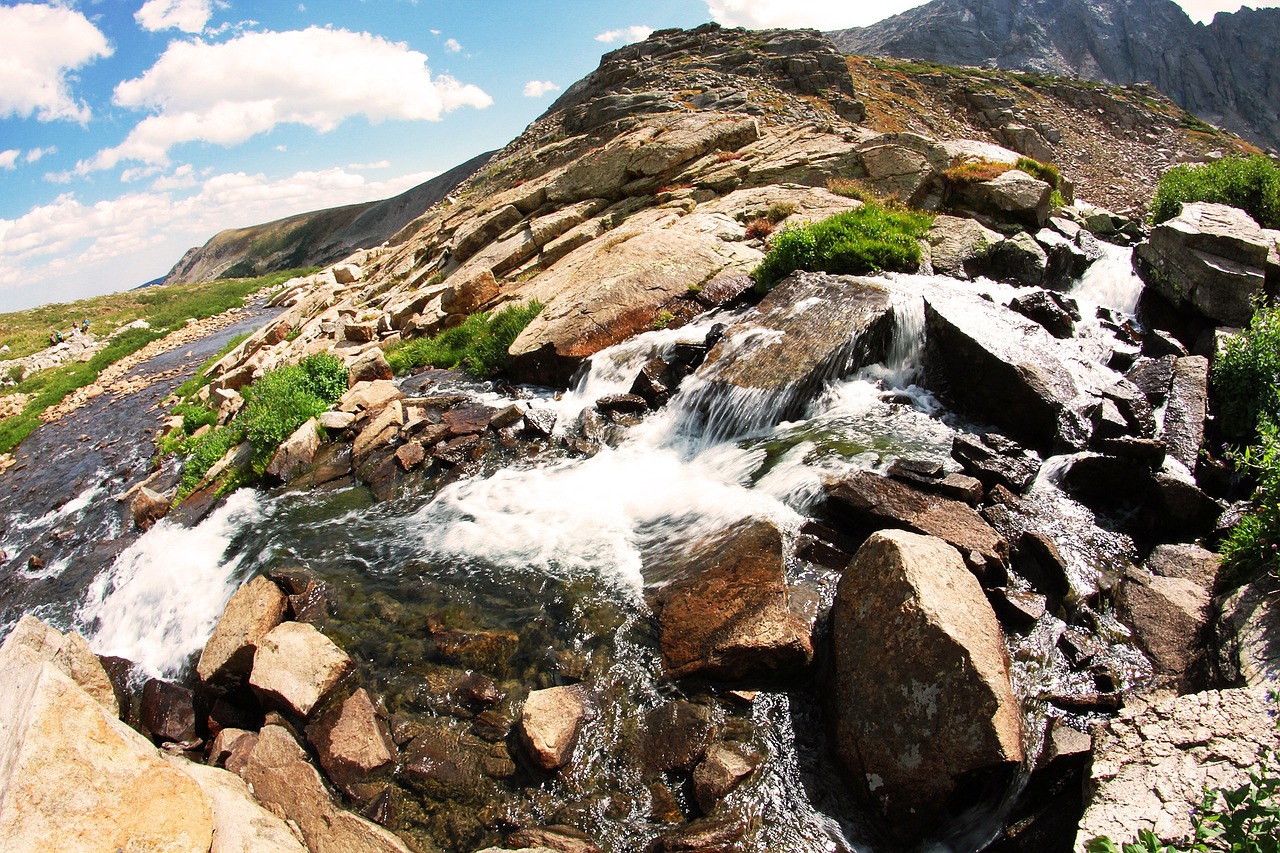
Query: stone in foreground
(924, 706)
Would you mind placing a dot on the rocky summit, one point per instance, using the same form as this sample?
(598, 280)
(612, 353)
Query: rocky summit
(695, 558)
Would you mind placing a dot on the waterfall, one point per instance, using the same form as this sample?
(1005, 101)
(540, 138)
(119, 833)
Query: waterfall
(1110, 281)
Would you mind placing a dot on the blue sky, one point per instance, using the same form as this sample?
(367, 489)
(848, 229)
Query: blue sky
(131, 130)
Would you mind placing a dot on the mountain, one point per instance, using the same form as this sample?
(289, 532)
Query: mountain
(1225, 72)
(316, 238)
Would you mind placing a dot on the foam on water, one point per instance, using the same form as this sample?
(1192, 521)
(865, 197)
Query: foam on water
(159, 601)
(69, 509)
(1110, 281)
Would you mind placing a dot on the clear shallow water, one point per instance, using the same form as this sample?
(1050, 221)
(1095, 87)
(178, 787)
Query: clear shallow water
(546, 559)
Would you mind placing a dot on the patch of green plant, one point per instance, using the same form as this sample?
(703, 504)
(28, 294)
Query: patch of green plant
(1242, 820)
(872, 238)
(480, 344)
(1046, 172)
(194, 416)
(1249, 183)
(207, 452)
(1243, 378)
(662, 320)
(201, 376)
(779, 211)
(1254, 542)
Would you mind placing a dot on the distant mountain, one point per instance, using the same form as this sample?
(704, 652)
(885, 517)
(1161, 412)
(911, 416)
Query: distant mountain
(1227, 72)
(316, 238)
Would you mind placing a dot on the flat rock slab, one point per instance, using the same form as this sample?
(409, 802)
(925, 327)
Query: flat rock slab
(1151, 766)
(295, 665)
(921, 680)
(726, 613)
(810, 328)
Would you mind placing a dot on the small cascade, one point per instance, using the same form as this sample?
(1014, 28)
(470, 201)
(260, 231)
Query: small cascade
(1110, 282)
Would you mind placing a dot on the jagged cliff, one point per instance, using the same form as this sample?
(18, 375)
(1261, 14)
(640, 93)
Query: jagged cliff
(316, 238)
(1224, 72)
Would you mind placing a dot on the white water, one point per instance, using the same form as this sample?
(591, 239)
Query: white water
(160, 600)
(1111, 282)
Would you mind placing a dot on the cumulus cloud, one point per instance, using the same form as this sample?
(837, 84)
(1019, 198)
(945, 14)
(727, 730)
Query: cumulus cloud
(39, 47)
(538, 88)
(68, 235)
(452, 46)
(190, 16)
(626, 34)
(822, 14)
(36, 153)
(9, 159)
(228, 92)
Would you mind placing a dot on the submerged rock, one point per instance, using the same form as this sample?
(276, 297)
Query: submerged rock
(725, 612)
(924, 709)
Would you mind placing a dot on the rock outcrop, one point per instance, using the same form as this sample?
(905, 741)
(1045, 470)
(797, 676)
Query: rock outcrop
(908, 613)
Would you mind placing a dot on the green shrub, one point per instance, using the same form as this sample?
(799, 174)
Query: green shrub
(1255, 540)
(1244, 377)
(1244, 819)
(869, 239)
(480, 344)
(206, 453)
(284, 399)
(194, 416)
(662, 320)
(1249, 183)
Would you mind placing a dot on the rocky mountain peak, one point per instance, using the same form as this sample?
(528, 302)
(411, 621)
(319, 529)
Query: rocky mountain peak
(1224, 72)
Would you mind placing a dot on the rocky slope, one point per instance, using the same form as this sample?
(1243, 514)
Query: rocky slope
(316, 238)
(1223, 72)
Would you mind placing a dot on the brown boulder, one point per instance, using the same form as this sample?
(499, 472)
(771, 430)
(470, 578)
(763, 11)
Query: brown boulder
(922, 696)
(370, 367)
(726, 614)
(168, 711)
(148, 507)
(723, 768)
(351, 740)
(296, 453)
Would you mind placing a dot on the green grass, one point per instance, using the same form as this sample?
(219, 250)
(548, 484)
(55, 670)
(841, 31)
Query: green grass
(1249, 183)
(480, 344)
(872, 238)
(1046, 172)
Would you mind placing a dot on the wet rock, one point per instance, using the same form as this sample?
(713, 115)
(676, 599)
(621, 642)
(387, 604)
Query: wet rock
(1183, 430)
(296, 453)
(1047, 812)
(71, 654)
(725, 611)
(467, 421)
(148, 507)
(168, 712)
(820, 552)
(946, 483)
(863, 502)
(1046, 309)
(256, 607)
(296, 666)
(308, 595)
(369, 367)
(658, 380)
(1247, 651)
(622, 403)
(1152, 765)
(550, 723)
(1067, 261)
(961, 247)
(240, 824)
(561, 839)
(1107, 483)
(831, 324)
(540, 421)
(1180, 510)
(370, 397)
(924, 706)
(1036, 558)
(458, 451)
(282, 779)
(73, 777)
(676, 735)
(722, 832)
(1153, 376)
(1080, 648)
(724, 767)
(351, 740)
(476, 689)
(995, 462)
(1149, 451)
(1019, 259)
(1017, 608)
(1212, 259)
(487, 650)
(381, 432)
(1170, 620)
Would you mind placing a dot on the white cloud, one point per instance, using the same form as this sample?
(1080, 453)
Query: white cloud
(39, 46)
(36, 153)
(228, 92)
(626, 34)
(538, 88)
(822, 14)
(364, 167)
(68, 237)
(190, 16)
(9, 159)
(452, 46)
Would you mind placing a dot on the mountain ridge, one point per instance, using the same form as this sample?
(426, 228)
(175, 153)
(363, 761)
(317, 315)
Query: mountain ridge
(1223, 72)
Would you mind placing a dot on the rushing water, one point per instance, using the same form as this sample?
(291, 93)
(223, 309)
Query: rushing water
(546, 558)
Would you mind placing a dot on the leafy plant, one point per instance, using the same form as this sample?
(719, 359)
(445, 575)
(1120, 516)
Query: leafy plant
(1244, 377)
(1242, 820)
(869, 239)
(1254, 542)
(662, 320)
(480, 344)
(758, 229)
(1249, 183)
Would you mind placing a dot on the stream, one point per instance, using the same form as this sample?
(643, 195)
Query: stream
(543, 564)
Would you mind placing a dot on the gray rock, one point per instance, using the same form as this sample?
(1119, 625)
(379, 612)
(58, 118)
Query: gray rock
(961, 247)
(1014, 195)
(1184, 417)
(1020, 260)
(913, 722)
(1170, 619)
(1152, 765)
(1247, 651)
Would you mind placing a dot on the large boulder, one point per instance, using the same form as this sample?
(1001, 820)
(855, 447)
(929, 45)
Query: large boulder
(723, 611)
(276, 768)
(1013, 195)
(922, 700)
(810, 328)
(73, 777)
(1248, 629)
(295, 666)
(256, 607)
(961, 247)
(1212, 259)
(1170, 620)
(296, 453)
(1152, 764)
(240, 823)
(1184, 416)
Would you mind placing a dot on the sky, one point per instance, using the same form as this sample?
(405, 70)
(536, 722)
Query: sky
(133, 130)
